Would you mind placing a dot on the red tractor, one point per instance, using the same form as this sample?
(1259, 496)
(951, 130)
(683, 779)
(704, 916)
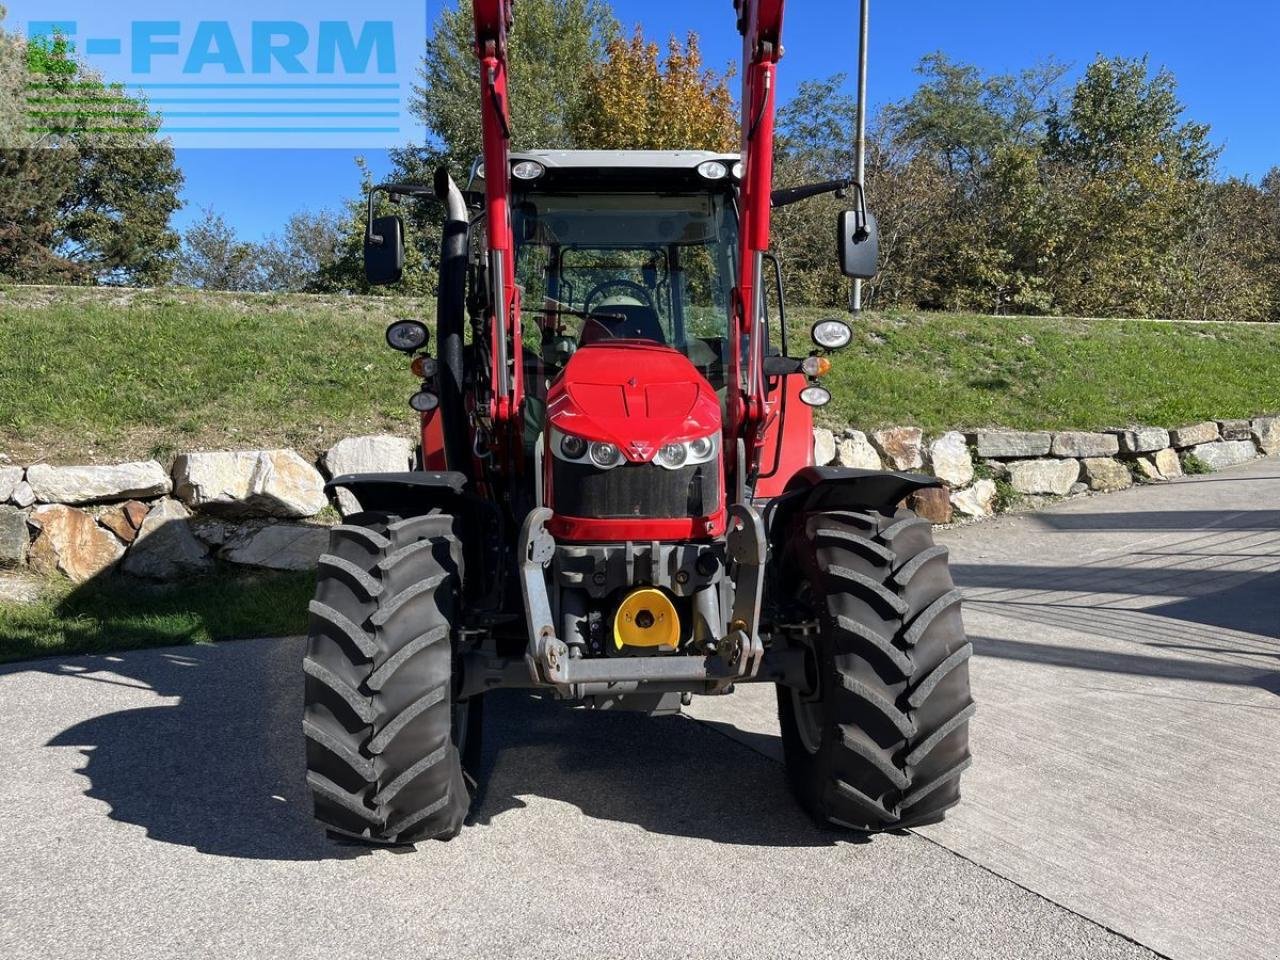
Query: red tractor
(616, 501)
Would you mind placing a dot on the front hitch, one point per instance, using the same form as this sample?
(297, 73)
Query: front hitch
(739, 651)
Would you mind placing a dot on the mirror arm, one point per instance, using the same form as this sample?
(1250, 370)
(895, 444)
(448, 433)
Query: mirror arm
(372, 239)
(860, 212)
(789, 195)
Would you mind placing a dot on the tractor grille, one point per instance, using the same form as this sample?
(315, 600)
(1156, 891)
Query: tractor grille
(636, 490)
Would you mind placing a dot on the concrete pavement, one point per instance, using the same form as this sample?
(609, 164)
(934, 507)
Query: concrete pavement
(1127, 740)
(152, 803)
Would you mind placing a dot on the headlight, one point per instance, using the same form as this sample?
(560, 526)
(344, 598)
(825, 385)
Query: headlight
(832, 334)
(605, 455)
(424, 401)
(574, 448)
(815, 396)
(712, 170)
(408, 336)
(528, 170)
(702, 449)
(673, 456)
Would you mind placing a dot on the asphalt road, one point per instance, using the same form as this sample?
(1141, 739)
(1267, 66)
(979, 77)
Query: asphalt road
(152, 804)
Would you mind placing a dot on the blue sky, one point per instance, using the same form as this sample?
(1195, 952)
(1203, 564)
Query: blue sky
(1222, 53)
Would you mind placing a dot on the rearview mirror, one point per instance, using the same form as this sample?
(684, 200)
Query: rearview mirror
(859, 245)
(384, 251)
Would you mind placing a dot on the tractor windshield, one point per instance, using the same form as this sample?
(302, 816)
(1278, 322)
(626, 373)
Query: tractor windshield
(600, 266)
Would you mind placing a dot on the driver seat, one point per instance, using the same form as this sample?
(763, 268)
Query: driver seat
(639, 323)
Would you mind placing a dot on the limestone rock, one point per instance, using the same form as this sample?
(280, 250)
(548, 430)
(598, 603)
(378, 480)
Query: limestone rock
(1266, 433)
(1162, 465)
(120, 520)
(77, 485)
(1012, 444)
(165, 548)
(10, 477)
(999, 468)
(1044, 476)
(1235, 429)
(977, 501)
(824, 446)
(1142, 439)
(1168, 463)
(1193, 435)
(1104, 474)
(856, 451)
(376, 454)
(901, 447)
(13, 535)
(952, 464)
(933, 503)
(23, 495)
(278, 546)
(1224, 453)
(70, 542)
(1078, 489)
(274, 483)
(1085, 445)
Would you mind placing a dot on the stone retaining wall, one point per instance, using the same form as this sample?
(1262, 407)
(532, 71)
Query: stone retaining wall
(982, 468)
(268, 508)
(254, 508)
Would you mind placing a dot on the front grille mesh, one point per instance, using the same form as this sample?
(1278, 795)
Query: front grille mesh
(635, 491)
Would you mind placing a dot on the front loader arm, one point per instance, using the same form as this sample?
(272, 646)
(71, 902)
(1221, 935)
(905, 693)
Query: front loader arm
(493, 18)
(760, 23)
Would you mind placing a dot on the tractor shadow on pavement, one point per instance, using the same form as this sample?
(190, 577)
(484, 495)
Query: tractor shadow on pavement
(667, 775)
(218, 766)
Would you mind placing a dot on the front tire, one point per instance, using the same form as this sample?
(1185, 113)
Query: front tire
(384, 736)
(881, 741)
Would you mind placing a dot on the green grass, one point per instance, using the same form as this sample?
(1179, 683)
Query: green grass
(118, 613)
(944, 371)
(107, 374)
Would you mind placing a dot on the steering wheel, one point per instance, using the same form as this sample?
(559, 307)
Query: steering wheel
(629, 286)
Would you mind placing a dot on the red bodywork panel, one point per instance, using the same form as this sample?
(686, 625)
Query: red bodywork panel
(788, 438)
(638, 396)
(634, 394)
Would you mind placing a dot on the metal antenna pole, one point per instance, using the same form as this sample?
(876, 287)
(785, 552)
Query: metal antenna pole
(860, 144)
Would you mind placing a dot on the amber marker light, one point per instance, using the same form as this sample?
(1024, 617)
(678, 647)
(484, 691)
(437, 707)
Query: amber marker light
(816, 366)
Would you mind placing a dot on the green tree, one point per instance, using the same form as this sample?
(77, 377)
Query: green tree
(551, 51)
(95, 148)
(300, 258)
(213, 257)
(634, 99)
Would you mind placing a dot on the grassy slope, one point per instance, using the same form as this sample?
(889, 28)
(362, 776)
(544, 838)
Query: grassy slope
(123, 614)
(91, 375)
(100, 375)
(940, 371)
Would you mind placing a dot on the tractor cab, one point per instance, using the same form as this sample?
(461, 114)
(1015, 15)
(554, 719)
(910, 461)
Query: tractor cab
(623, 245)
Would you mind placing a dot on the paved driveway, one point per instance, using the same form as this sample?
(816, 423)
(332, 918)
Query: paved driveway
(151, 804)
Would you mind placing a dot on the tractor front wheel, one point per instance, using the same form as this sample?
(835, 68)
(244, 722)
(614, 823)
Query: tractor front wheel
(385, 739)
(881, 739)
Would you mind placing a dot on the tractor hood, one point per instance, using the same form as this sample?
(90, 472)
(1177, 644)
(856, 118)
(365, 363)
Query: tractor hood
(634, 394)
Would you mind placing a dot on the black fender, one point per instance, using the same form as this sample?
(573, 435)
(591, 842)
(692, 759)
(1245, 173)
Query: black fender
(841, 488)
(405, 494)
(478, 522)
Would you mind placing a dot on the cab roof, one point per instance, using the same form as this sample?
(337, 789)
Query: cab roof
(604, 168)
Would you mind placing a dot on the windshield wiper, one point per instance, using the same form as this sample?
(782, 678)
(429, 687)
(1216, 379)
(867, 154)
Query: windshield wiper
(581, 314)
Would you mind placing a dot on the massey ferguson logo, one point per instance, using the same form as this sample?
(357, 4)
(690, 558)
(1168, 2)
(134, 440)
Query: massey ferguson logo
(642, 450)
